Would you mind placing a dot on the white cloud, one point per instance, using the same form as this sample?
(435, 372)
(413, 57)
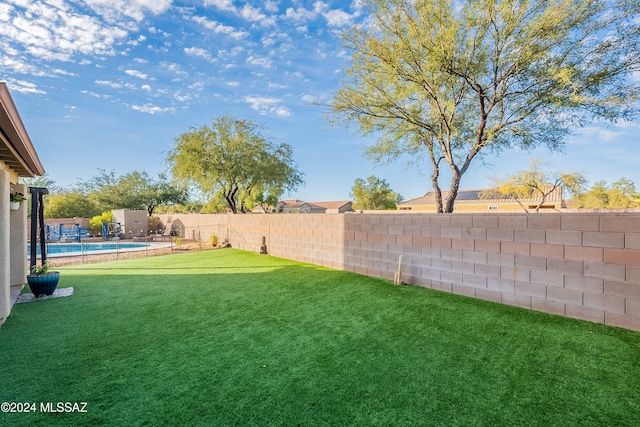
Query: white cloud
(338, 18)
(56, 31)
(225, 54)
(219, 28)
(320, 6)
(196, 86)
(202, 53)
(146, 87)
(260, 61)
(108, 83)
(267, 105)
(282, 112)
(94, 94)
(300, 15)
(152, 109)
(24, 87)
(137, 41)
(271, 6)
(221, 4)
(136, 73)
(182, 98)
(135, 9)
(247, 12)
(296, 74)
(233, 84)
(357, 5)
(63, 72)
(5, 12)
(595, 133)
(174, 68)
(253, 14)
(308, 99)
(19, 65)
(268, 41)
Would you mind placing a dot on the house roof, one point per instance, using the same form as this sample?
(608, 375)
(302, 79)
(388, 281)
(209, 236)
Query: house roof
(333, 205)
(16, 149)
(299, 204)
(471, 197)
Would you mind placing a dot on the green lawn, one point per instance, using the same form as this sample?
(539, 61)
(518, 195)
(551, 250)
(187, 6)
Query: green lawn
(234, 338)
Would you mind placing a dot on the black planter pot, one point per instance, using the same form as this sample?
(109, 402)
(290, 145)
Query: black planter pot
(45, 284)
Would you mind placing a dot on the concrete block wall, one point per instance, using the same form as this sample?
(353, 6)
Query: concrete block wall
(579, 265)
(312, 238)
(584, 266)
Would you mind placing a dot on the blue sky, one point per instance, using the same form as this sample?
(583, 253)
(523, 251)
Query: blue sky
(110, 84)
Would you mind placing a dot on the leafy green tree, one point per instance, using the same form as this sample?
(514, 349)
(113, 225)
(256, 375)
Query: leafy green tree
(233, 160)
(158, 192)
(69, 205)
(44, 181)
(623, 190)
(456, 80)
(537, 182)
(596, 198)
(264, 198)
(620, 195)
(373, 194)
(216, 204)
(134, 190)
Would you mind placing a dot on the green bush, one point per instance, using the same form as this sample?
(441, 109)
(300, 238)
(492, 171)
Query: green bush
(95, 225)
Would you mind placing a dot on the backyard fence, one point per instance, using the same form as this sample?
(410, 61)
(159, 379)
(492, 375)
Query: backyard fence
(579, 265)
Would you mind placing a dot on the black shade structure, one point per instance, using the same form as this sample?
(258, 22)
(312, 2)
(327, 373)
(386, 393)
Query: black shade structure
(37, 226)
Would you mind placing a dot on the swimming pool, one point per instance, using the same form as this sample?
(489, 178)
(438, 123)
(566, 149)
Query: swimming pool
(72, 249)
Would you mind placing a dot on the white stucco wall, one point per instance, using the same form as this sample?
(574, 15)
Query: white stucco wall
(5, 230)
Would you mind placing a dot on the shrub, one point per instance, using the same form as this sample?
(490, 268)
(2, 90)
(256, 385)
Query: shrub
(95, 224)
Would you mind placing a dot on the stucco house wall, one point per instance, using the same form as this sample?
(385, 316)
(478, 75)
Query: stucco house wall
(18, 158)
(132, 221)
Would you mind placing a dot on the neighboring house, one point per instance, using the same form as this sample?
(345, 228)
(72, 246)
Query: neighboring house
(18, 159)
(298, 206)
(472, 200)
(340, 206)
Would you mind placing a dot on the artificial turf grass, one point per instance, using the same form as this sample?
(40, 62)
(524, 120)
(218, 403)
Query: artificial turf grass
(230, 337)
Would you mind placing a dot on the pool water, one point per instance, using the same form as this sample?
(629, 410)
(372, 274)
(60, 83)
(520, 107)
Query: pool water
(77, 248)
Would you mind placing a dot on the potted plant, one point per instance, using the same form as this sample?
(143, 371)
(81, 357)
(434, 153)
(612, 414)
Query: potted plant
(42, 281)
(15, 199)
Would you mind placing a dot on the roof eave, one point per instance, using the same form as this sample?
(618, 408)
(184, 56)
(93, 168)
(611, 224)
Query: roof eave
(18, 153)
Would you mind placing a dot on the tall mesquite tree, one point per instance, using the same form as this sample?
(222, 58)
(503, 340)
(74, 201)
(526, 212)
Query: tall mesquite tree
(461, 79)
(233, 160)
(133, 190)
